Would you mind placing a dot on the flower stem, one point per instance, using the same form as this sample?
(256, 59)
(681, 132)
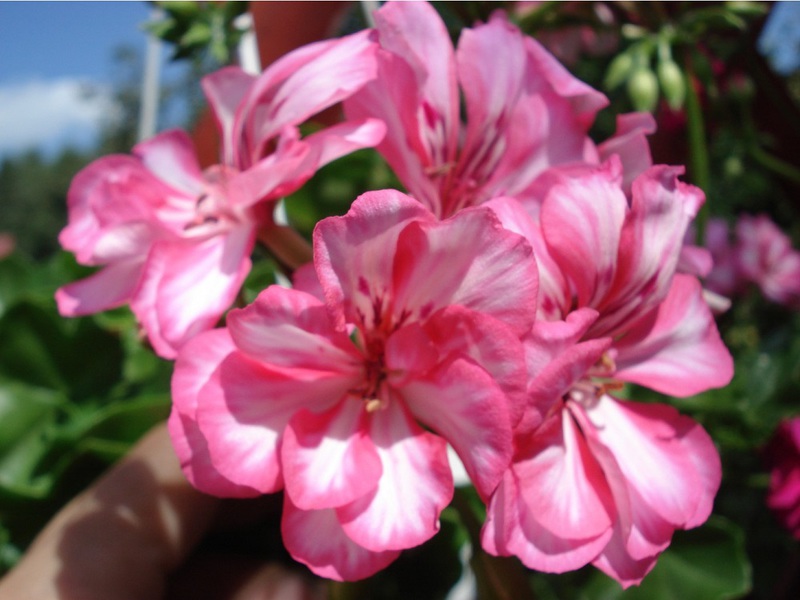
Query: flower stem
(289, 247)
(498, 578)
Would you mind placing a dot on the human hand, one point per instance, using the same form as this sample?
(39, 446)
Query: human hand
(134, 535)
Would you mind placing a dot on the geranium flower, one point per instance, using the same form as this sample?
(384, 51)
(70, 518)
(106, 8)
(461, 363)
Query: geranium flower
(765, 256)
(596, 479)
(347, 395)
(524, 112)
(783, 459)
(174, 241)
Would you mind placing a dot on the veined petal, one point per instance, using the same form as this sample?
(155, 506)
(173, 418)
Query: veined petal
(682, 353)
(328, 459)
(394, 98)
(414, 488)
(354, 254)
(644, 441)
(187, 286)
(650, 245)
(554, 301)
(563, 488)
(469, 260)
(461, 402)
(510, 530)
(303, 83)
(581, 219)
(193, 369)
(414, 31)
(316, 539)
(289, 328)
(225, 89)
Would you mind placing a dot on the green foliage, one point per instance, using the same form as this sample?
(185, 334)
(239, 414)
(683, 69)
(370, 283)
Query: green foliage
(197, 29)
(74, 395)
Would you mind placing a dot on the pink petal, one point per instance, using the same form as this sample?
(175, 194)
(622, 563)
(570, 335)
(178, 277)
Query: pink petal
(354, 254)
(510, 530)
(469, 260)
(556, 361)
(243, 409)
(682, 354)
(170, 156)
(110, 287)
(461, 402)
(651, 244)
(563, 487)
(394, 98)
(288, 328)
(583, 99)
(316, 539)
(581, 220)
(193, 369)
(303, 83)
(645, 442)
(618, 564)
(554, 300)
(461, 333)
(414, 31)
(328, 459)
(630, 144)
(187, 286)
(109, 193)
(225, 89)
(414, 488)
(336, 141)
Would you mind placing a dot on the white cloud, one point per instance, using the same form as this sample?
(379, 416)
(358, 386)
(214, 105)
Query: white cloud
(51, 114)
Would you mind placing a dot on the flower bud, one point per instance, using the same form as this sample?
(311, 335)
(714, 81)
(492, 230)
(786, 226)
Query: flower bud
(618, 70)
(643, 89)
(673, 84)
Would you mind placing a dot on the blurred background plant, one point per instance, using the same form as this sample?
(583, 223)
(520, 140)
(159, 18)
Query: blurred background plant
(74, 394)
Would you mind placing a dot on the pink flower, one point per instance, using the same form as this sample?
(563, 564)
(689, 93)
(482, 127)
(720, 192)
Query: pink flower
(766, 257)
(346, 395)
(783, 459)
(174, 241)
(595, 479)
(524, 111)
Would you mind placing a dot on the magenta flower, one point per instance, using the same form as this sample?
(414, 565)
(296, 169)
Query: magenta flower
(783, 459)
(524, 111)
(174, 241)
(348, 401)
(596, 479)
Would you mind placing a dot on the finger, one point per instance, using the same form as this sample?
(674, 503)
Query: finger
(121, 537)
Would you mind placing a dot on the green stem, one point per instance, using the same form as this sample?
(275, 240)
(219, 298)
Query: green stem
(698, 150)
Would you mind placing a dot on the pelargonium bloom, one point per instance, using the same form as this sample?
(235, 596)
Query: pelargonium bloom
(524, 111)
(174, 241)
(347, 394)
(596, 479)
(783, 459)
(765, 256)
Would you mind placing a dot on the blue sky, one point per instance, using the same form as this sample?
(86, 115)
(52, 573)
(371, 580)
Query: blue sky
(50, 52)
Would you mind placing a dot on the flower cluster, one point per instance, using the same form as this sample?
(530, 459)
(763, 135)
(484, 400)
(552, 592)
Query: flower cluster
(782, 456)
(496, 309)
